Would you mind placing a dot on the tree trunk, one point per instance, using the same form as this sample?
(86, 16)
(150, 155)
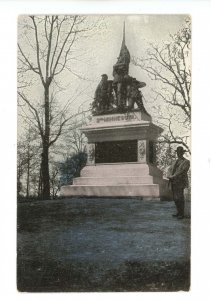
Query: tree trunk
(45, 174)
(40, 182)
(45, 160)
(28, 172)
(27, 180)
(19, 171)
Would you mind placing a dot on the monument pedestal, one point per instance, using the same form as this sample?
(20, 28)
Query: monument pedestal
(121, 159)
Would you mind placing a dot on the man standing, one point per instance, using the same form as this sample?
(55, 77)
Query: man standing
(179, 181)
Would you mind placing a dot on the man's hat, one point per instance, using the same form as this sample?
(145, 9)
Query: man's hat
(104, 75)
(181, 149)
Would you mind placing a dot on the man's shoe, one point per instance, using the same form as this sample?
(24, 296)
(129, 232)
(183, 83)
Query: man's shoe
(180, 217)
(175, 215)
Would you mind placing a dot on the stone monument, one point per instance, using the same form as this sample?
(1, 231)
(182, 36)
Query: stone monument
(121, 141)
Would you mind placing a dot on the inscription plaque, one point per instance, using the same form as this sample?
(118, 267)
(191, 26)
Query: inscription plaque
(125, 117)
(114, 152)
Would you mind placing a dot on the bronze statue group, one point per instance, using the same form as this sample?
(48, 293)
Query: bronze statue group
(118, 95)
(123, 92)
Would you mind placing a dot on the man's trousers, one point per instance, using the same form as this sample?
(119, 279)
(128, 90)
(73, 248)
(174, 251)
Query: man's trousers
(178, 197)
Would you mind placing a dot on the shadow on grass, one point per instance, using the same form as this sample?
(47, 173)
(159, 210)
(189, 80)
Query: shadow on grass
(51, 276)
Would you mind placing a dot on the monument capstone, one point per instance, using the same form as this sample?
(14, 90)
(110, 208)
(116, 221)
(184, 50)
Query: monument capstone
(121, 141)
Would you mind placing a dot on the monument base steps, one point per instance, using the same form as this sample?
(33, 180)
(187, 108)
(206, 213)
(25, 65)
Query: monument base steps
(132, 190)
(121, 180)
(114, 180)
(120, 169)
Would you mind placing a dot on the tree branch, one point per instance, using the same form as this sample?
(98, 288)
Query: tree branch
(35, 111)
(63, 45)
(38, 50)
(62, 125)
(27, 61)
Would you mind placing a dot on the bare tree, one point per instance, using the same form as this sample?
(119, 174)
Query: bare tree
(169, 65)
(20, 166)
(28, 162)
(46, 49)
(54, 180)
(75, 140)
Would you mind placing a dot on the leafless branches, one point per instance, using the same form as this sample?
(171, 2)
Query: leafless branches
(170, 138)
(46, 47)
(170, 66)
(54, 39)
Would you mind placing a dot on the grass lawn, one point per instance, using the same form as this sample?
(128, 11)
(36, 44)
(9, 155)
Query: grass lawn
(102, 245)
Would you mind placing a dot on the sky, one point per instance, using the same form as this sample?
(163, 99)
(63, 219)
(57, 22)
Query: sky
(140, 30)
(98, 53)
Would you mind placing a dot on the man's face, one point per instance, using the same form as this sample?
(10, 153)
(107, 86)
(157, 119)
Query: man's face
(180, 153)
(104, 78)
